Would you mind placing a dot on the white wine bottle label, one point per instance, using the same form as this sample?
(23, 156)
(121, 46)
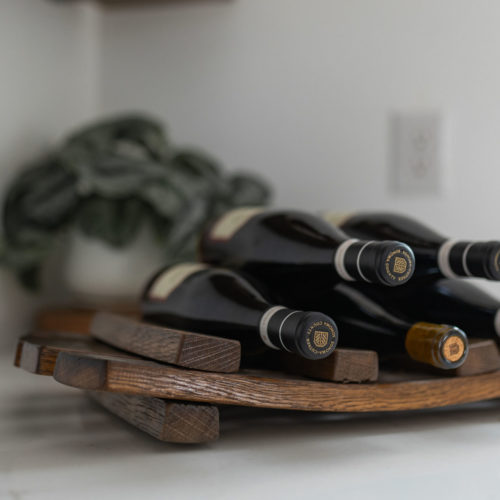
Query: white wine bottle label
(339, 260)
(168, 281)
(231, 222)
(264, 325)
(497, 322)
(444, 259)
(336, 218)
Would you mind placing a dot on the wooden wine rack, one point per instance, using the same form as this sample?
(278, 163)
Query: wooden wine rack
(175, 402)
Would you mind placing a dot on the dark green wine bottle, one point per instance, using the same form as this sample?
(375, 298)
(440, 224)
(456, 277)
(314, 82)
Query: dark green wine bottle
(435, 254)
(445, 300)
(293, 249)
(368, 323)
(221, 302)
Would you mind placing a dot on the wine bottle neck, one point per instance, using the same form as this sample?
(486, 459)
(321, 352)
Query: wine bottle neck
(385, 262)
(469, 258)
(339, 259)
(312, 335)
(267, 334)
(442, 346)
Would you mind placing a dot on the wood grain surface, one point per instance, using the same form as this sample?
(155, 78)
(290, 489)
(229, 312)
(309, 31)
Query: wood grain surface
(186, 349)
(147, 378)
(37, 352)
(483, 357)
(343, 365)
(174, 422)
(77, 320)
(171, 421)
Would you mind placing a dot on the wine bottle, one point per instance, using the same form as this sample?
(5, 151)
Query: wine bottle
(366, 323)
(221, 302)
(457, 301)
(288, 248)
(434, 253)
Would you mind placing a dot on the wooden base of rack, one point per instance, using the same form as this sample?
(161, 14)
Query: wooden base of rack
(176, 404)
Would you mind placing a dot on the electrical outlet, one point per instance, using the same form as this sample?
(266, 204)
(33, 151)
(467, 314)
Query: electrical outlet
(417, 153)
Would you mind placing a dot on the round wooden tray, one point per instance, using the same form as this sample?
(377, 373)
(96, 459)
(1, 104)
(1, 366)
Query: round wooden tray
(266, 390)
(146, 393)
(94, 366)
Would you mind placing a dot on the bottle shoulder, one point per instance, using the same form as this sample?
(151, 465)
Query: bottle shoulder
(206, 285)
(271, 225)
(392, 226)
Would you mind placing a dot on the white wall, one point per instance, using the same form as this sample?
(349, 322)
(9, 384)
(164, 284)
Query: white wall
(48, 83)
(301, 91)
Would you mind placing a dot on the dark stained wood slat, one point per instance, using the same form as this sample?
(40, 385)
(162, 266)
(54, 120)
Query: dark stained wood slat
(171, 421)
(174, 422)
(343, 365)
(186, 349)
(37, 353)
(99, 372)
(76, 320)
(484, 357)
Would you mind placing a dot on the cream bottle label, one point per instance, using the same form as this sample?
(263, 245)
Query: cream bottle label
(168, 281)
(336, 218)
(233, 221)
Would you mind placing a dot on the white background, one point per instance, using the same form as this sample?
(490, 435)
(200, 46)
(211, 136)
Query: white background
(48, 82)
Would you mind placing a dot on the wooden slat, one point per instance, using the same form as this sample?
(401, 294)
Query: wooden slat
(171, 421)
(37, 353)
(190, 350)
(100, 372)
(343, 365)
(484, 357)
(76, 320)
(174, 422)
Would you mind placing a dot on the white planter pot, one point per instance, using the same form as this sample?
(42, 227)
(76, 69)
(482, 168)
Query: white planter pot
(96, 274)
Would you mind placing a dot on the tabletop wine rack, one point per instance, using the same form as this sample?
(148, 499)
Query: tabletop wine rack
(169, 383)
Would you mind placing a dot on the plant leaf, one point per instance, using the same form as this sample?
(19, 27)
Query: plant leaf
(114, 222)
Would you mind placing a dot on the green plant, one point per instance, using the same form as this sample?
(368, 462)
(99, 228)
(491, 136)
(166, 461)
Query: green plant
(109, 179)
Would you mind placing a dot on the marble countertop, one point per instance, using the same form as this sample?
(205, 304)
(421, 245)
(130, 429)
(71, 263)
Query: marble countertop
(57, 444)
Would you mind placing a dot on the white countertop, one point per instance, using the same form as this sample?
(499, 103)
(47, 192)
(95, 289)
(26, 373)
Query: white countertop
(56, 444)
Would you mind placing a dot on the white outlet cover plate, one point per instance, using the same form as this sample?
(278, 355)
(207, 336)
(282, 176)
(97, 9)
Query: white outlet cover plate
(417, 147)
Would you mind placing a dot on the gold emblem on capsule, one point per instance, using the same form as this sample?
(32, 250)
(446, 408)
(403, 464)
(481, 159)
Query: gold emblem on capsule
(400, 265)
(320, 338)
